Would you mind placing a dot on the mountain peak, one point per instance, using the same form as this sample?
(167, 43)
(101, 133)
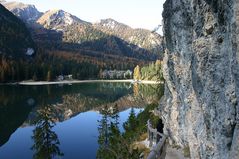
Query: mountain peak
(110, 23)
(57, 17)
(26, 12)
(13, 5)
(56, 11)
(108, 20)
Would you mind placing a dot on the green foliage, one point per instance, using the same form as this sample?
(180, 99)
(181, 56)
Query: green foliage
(146, 115)
(116, 145)
(130, 126)
(152, 72)
(113, 144)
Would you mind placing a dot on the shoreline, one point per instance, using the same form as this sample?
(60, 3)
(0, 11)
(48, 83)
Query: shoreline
(82, 81)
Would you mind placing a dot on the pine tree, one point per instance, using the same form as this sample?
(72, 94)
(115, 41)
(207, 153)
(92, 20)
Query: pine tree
(130, 126)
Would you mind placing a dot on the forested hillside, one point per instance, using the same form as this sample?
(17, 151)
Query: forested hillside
(15, 39)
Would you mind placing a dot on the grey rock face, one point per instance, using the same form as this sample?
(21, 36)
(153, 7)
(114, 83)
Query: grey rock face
(200, 107)
(27, 13)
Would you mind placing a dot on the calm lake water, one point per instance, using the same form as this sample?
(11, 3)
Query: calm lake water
(63, 120)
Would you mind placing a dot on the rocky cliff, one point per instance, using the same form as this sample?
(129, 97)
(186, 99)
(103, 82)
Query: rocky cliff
(200, 107)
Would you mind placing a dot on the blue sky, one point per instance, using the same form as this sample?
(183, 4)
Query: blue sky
(136, 13)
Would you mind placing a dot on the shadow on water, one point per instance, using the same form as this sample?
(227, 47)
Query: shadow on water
(10, 119)
(14, 110)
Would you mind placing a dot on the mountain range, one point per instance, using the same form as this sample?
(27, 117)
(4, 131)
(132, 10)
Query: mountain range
(72, 29)
(65, 44)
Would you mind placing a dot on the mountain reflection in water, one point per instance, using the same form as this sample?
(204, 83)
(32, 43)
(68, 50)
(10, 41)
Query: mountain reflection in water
(46, 114)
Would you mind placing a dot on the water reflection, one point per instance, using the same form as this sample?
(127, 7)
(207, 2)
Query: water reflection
(38, 111)
(149, 93)
(108, 131)
(112, 142)
(14, 110)
(46, 142)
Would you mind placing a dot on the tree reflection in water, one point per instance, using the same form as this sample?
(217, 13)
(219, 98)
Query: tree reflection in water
(112, 144)
(46, 142)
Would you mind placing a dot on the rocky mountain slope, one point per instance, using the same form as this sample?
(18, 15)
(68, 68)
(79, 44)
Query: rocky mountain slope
(73, 29)
(58, 19)
(15, 39)
(200, 108)
(140, 37)
(27, 13)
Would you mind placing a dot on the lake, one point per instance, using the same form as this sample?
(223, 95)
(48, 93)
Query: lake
(64, 120)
